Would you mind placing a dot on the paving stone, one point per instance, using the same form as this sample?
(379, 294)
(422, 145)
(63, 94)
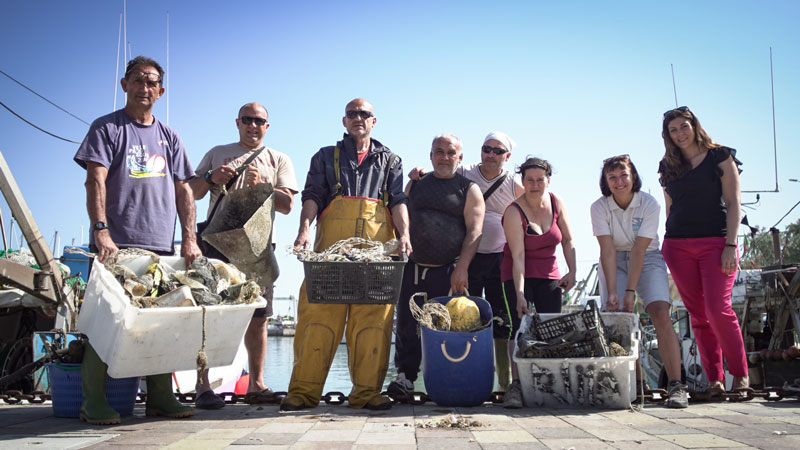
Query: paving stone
(285, 427)
(442, 433)
(385, 446)
(503, 436)
(199, 444)
(268, 439)
(386, 437)
(742, 419)
(666, 428)
(700, 440)
(775, 426)
(576, 444)
(669, 413)
(383, 427)
(632, 418)
(615, 434)
(349, 424)
(647, 445)
(148, 438)
(51, 441)
(330, 435)
(222, 433)
(235, 446)
(447, 444)
(544, 421)
(321, 445)
(702, 423)
(590, 421)
(559, 433)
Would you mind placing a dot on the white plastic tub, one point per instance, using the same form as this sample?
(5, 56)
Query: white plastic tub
(601, 382)
(139, 342)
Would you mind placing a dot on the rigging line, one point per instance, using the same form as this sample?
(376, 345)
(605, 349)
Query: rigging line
(787, 213)
(34, 126)
(40, 96)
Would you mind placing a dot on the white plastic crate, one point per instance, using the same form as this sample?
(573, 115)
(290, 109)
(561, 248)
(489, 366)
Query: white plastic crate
(139, 342)
(600, 382)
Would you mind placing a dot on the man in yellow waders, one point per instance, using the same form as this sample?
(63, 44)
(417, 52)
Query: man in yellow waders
(350, 188)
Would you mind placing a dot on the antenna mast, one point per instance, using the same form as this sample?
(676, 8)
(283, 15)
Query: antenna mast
(116, 73)
(774, 135)
(674, 89)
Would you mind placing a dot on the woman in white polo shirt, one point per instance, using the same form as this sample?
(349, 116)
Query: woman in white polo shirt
(625, 222)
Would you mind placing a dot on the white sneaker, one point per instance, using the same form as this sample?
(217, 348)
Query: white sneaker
(513, 396)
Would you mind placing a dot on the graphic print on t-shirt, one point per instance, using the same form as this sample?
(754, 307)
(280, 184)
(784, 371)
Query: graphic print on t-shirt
(142, 164)
(636, 223)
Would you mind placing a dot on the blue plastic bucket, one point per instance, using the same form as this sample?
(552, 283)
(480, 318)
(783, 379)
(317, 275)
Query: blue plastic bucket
(77, 262)
(458, 367)
(65, 389)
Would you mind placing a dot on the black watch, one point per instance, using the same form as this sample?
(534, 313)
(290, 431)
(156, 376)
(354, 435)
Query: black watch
(207, 177)
(100, 226)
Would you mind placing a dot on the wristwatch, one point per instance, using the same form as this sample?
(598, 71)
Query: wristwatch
(100, 226)
(207, 177)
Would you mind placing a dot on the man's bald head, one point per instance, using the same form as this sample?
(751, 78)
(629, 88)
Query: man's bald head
(253, 106)
(359, 104)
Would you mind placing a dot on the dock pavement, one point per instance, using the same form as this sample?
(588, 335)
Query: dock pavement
(744, 425)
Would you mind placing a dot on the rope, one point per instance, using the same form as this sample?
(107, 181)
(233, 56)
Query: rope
(36, 126)
(351, 249)
(202, 359)
(42, 97)
(433, 315)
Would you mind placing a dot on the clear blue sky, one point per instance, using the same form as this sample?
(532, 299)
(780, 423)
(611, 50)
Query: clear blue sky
(573, 82)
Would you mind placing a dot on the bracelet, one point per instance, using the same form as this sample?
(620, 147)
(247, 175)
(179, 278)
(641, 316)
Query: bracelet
(630, 290)
(730, 245)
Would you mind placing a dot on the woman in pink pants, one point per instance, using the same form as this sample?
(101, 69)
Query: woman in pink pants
(701, 189)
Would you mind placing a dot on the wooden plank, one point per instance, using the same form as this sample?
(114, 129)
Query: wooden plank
(22, 214)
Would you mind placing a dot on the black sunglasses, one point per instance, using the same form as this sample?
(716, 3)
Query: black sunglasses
(495, 150)
(620, 157)
(680, 108)
(247, 120)
(352, 114)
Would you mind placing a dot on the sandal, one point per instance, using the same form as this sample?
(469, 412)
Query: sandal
(257, 398)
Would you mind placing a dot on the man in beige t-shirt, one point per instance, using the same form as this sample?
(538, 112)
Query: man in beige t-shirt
(216, 168)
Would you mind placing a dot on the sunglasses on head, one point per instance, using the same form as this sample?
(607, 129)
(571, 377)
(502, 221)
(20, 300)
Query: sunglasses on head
(680, 108)
(247, 120)
(149, 78)
(495, 150)
(625, 156)
(352, 114)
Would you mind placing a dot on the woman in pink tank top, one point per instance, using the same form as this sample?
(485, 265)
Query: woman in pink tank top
(534, 224)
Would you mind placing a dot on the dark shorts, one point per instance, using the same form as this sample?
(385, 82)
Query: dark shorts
(544, 294)
(484, 281)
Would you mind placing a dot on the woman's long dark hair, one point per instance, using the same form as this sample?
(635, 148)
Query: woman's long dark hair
(673, 164)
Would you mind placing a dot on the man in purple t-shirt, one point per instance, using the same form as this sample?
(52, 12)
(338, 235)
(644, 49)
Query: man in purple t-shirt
(137, 174)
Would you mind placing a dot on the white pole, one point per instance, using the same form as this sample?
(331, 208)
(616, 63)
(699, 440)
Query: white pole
(125, 21)
(116, 72)
(167, 76)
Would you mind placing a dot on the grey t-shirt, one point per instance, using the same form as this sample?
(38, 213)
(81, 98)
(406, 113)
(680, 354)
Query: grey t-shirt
(143, 163)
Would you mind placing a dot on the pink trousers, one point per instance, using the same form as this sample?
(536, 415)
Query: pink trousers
(696, 267)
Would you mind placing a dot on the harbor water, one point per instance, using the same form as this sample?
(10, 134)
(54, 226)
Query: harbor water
(280, 357)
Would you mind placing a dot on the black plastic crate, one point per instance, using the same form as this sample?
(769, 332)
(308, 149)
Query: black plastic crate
(577, 335)
(353, 282)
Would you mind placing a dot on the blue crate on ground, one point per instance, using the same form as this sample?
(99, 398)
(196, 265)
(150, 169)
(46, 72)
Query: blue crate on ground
(65, 389)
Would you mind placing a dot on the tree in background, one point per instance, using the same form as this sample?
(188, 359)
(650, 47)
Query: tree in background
(758, 251)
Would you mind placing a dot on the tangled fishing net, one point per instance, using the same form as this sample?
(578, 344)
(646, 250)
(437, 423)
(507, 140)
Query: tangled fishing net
(351, 249)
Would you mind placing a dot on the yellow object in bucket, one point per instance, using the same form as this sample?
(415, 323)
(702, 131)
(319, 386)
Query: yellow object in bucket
(464, 314)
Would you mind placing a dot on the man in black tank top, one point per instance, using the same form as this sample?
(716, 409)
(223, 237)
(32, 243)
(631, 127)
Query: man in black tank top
(445, 223)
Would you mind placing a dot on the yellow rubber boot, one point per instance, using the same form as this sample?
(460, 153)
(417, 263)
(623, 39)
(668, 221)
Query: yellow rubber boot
(161, 400)
(318, 334)
(95, 409)
(501, 363)
(369, 337)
